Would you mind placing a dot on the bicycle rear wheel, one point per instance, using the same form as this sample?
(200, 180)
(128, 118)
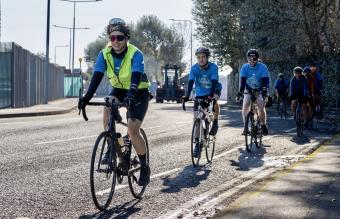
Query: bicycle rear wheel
(299, 126)
(103, 176)
(285, 109)
(249, 134)
(210, 143)
(196, 131)
(134, 170)
(258, 134)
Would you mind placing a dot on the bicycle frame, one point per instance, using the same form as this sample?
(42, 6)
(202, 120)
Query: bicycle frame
(298, 119)
(252, 121)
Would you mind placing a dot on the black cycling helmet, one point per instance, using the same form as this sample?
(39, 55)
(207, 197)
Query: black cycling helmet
(253, 52)
(118, 24)
(298, 70)
(281, 75)
(201, 50)
(307, 70)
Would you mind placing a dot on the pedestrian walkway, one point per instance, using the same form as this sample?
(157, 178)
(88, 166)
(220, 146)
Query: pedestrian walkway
(308, 189)
(53, 107)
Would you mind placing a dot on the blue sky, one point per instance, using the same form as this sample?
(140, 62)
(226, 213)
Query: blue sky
(24, 21)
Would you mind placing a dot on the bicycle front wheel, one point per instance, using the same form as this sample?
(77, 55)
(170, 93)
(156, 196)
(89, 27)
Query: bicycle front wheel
(210, 144)
(196, 139)
(299, 126)
(134, 171)
(258, 134)
(103, 176)
(249, 126)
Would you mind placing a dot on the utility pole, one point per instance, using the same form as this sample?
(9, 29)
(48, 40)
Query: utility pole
(0, 20)
(73, 28)
(47, 53)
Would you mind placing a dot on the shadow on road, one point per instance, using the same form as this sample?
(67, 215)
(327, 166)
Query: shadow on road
(121, 211)
(248, 160)
(188, 178)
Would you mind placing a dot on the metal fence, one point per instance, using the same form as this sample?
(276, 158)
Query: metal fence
(22, 76)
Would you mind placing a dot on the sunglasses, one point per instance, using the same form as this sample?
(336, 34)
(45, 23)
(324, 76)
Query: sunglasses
(254, 59)
(117, 37)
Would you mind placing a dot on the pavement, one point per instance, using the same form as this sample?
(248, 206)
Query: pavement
(52, 108)
(308, 189)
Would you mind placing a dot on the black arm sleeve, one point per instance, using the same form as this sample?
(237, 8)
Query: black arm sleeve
(135, 81)
(243, 84)
(213, 87)
(95, 81)
(190, 85)
(265, 82)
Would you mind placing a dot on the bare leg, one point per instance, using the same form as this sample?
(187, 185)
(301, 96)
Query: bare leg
(135, 136)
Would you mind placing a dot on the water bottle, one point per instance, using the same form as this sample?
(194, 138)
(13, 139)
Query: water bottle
(126, 143)
(119, 143)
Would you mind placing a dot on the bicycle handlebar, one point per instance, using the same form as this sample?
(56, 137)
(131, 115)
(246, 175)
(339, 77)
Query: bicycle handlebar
(199, 100)
(107, 104)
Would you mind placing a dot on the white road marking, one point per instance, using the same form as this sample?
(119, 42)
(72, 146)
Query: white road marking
(187, 205)
(70, 139)
(155, 127)
(152, 177)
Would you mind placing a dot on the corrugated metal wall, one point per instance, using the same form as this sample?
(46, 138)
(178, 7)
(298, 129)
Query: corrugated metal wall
(5, 79)
(27, 72)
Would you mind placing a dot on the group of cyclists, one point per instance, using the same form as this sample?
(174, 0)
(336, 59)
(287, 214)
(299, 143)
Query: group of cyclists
(124, 67)
(304, 87)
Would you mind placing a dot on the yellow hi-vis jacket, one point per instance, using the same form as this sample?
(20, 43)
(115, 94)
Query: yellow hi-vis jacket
(122, 80)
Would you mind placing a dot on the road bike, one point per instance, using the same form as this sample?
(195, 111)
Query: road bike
(282, 108)
(299, 120)
(200, 131)
(123, 159)
(253, 131)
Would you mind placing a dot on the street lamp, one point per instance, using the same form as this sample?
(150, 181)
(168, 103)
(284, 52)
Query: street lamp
(55, 52)
(74, 23)
(70, 29)
(190, 36)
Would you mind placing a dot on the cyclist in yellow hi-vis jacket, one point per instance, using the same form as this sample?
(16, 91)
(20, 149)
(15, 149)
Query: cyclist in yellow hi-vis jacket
(124, 67)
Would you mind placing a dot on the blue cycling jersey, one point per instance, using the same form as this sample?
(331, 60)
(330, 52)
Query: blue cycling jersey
(254, 75)
(203, 78)
(298, 87)
(281, 85)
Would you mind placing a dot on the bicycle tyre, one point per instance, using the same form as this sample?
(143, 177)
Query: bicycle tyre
(136, 190)
(285, 109)
(298, 122)
(209, 144)
(258, 138)
(108, 170)
(249, 134)
(195, 160)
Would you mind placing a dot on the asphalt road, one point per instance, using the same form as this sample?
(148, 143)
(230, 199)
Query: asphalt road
(45, 164)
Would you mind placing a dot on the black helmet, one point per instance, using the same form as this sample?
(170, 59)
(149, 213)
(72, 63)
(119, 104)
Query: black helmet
(281, 75)
(201, 50)
(118, 24)
(307, 70)
(252, 52)
(298, 70)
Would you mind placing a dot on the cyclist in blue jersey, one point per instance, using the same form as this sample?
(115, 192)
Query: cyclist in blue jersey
(205, 76)
(298, 92)
(317, 85)
(124, 67)
(281, 88)
(254, 76)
